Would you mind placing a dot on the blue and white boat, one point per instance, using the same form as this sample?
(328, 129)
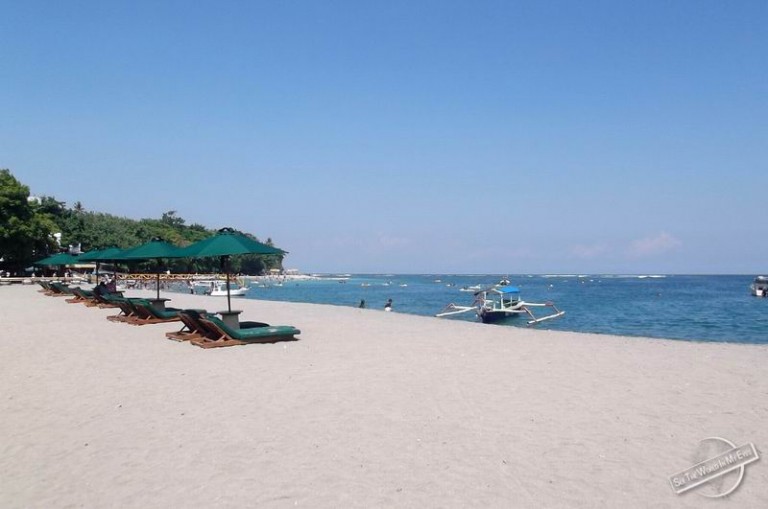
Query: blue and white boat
(218, 288)
(499, 303)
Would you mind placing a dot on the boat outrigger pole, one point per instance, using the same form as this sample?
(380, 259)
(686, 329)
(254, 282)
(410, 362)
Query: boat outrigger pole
(535, 320)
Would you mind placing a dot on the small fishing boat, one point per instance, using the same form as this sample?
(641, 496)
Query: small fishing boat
(216, 288)
(496, 304)
(759, 286)
(473, 289)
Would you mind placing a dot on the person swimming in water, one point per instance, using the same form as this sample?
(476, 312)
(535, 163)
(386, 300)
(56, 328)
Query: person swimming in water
(388, 305)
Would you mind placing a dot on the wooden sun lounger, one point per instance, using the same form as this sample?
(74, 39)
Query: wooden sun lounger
(107, 300)
(195, 328)
(146, 313)
(82, 297)
(128, 311)
(226, 336)
(192, 328)
(48, 289)
(56, 289)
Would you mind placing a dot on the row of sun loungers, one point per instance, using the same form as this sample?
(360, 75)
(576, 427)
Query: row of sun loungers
(200, 328)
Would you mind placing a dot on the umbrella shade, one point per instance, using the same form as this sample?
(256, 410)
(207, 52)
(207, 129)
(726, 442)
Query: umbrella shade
(58, 259)
(105, 255)
(102, 255)
(90, 256)
(154, 249)
(227, 242)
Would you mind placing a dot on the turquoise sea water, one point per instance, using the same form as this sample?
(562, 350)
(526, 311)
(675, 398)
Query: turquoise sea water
(702, 308)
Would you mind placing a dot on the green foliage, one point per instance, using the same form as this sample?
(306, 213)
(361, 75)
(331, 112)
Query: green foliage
(26, 232)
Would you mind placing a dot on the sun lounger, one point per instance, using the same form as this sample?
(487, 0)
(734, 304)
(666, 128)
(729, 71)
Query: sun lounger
(57, 289)
(128, 311)
(47, 289)
(195, 328)
(145, 313)
(107, 300)
(192, 328)
(223, 335)
(82, 297)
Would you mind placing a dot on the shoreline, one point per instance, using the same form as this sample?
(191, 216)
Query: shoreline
(367, 409)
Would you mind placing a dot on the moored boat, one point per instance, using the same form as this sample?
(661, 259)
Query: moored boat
(216, 288)
(498, 303)
(759, 286)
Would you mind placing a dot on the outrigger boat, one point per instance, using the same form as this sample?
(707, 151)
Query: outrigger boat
(495, 304)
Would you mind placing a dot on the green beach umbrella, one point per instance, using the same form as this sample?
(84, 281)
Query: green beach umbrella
(156, 249)
(227, 242)
(90, 256)
(100, 255)
(58, 259)
(109, 254)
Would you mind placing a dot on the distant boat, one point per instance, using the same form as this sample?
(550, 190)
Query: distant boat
(216, 288)
(759, 286)
(474, 288)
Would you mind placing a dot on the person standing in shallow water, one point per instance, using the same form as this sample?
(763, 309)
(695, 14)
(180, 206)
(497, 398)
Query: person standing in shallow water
(388, 305)
(362, 304)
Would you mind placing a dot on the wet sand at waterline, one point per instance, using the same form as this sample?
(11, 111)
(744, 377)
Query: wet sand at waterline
(367, 409)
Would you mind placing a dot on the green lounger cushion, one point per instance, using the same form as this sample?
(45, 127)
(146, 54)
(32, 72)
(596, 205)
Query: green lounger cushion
(163, 314)
(246, 334)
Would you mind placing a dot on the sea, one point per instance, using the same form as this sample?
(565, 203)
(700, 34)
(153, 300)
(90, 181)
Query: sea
(712, 308)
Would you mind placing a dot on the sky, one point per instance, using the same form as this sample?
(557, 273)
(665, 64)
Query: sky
(407, 136)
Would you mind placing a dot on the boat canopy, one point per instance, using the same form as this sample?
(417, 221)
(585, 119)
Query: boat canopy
(501, 290)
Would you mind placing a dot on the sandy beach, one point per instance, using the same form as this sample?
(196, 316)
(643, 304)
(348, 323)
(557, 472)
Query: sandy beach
(367, 409)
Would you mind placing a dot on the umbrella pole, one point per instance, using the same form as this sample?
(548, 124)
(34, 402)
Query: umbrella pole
(225, 260)
(158, 279)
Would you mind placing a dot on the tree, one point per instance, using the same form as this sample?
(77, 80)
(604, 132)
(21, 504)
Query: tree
(26, 228)
(25, 231)
(171, 219)
(51, 206)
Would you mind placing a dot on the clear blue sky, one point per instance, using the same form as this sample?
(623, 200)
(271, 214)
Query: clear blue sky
(407, 136)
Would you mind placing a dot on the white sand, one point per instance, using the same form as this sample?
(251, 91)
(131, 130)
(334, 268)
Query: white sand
(368, 409)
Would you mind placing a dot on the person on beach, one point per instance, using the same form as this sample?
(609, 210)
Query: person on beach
(362, 304)
(388, 305)
(101, 288)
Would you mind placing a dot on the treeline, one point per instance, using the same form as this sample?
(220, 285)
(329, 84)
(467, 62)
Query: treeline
(29, 228)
